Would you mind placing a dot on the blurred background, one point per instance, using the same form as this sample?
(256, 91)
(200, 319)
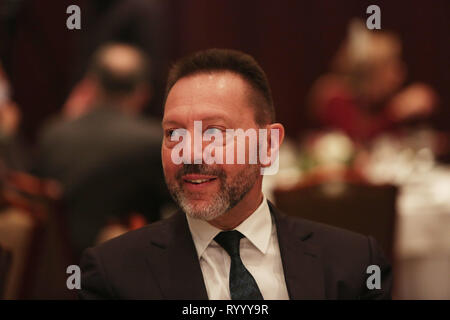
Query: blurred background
(367, 115)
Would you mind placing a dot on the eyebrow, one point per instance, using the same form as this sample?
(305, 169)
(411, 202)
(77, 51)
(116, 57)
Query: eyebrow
(206, 119)
(169, 122)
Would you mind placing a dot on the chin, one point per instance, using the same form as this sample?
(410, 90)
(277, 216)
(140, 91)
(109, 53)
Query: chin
(205, 212)
(201, 215)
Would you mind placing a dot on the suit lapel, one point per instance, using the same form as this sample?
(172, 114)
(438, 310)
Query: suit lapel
(173, 260)
(302, 264)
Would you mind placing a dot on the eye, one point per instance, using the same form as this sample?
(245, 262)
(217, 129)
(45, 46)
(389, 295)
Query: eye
(175, 134)
(172, 134)
(169, 133)
(215, 134)
(214, 131)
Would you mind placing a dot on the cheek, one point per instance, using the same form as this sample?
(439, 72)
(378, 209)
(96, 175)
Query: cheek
(168, 166)
(244, 150)
(231, 171)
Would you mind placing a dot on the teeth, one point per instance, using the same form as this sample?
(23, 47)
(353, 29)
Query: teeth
(198, 181)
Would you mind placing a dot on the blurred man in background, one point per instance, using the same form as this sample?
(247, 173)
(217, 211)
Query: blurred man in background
(107, 160)
(141, 23)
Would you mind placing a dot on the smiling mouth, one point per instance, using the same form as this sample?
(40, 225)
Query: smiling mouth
(198, 181)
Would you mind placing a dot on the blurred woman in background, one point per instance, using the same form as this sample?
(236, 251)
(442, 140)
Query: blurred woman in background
(361, 96)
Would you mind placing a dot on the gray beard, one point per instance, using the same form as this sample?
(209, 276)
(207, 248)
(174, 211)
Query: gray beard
(228, 197)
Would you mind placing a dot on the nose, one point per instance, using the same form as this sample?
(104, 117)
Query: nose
(197, 143)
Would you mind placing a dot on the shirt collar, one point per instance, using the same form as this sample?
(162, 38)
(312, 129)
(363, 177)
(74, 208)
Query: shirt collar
(257, 228)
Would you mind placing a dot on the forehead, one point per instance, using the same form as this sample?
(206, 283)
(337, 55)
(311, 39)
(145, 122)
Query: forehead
(206, 95)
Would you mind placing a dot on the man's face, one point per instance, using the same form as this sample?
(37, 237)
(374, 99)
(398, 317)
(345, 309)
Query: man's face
(220, 101)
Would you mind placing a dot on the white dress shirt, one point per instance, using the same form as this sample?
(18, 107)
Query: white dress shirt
(259, 252)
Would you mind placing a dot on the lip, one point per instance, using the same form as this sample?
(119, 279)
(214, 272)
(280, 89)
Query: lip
(201, 186)
(197, 177)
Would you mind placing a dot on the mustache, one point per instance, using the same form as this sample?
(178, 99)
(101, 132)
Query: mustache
(200, 169)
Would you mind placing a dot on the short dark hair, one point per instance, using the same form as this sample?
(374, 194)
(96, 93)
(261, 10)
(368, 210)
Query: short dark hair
(116, 82)
(244, 65)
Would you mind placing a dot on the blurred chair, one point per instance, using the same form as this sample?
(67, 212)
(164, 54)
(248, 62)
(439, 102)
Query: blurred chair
(30, 226)
(359, 207)
(20, 225)
(5, 265)
(115, 228)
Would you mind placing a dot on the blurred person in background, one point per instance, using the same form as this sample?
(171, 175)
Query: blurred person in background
(361, 95)
(13, 154)
(141, 23)
(107, 160)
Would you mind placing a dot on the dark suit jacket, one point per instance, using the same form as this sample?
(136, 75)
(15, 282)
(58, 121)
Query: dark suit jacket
(160, 262)
(109, 165)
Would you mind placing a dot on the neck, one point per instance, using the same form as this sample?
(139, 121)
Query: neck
(245, 208)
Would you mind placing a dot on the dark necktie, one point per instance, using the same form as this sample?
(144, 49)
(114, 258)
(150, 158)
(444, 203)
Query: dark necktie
(242, 284)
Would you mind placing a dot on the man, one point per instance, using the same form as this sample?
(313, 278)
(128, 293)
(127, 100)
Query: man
(142, 23)
(227, 241)
(108, 160)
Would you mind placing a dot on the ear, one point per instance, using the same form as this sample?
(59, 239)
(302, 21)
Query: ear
(81, 97)
(273, 141)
